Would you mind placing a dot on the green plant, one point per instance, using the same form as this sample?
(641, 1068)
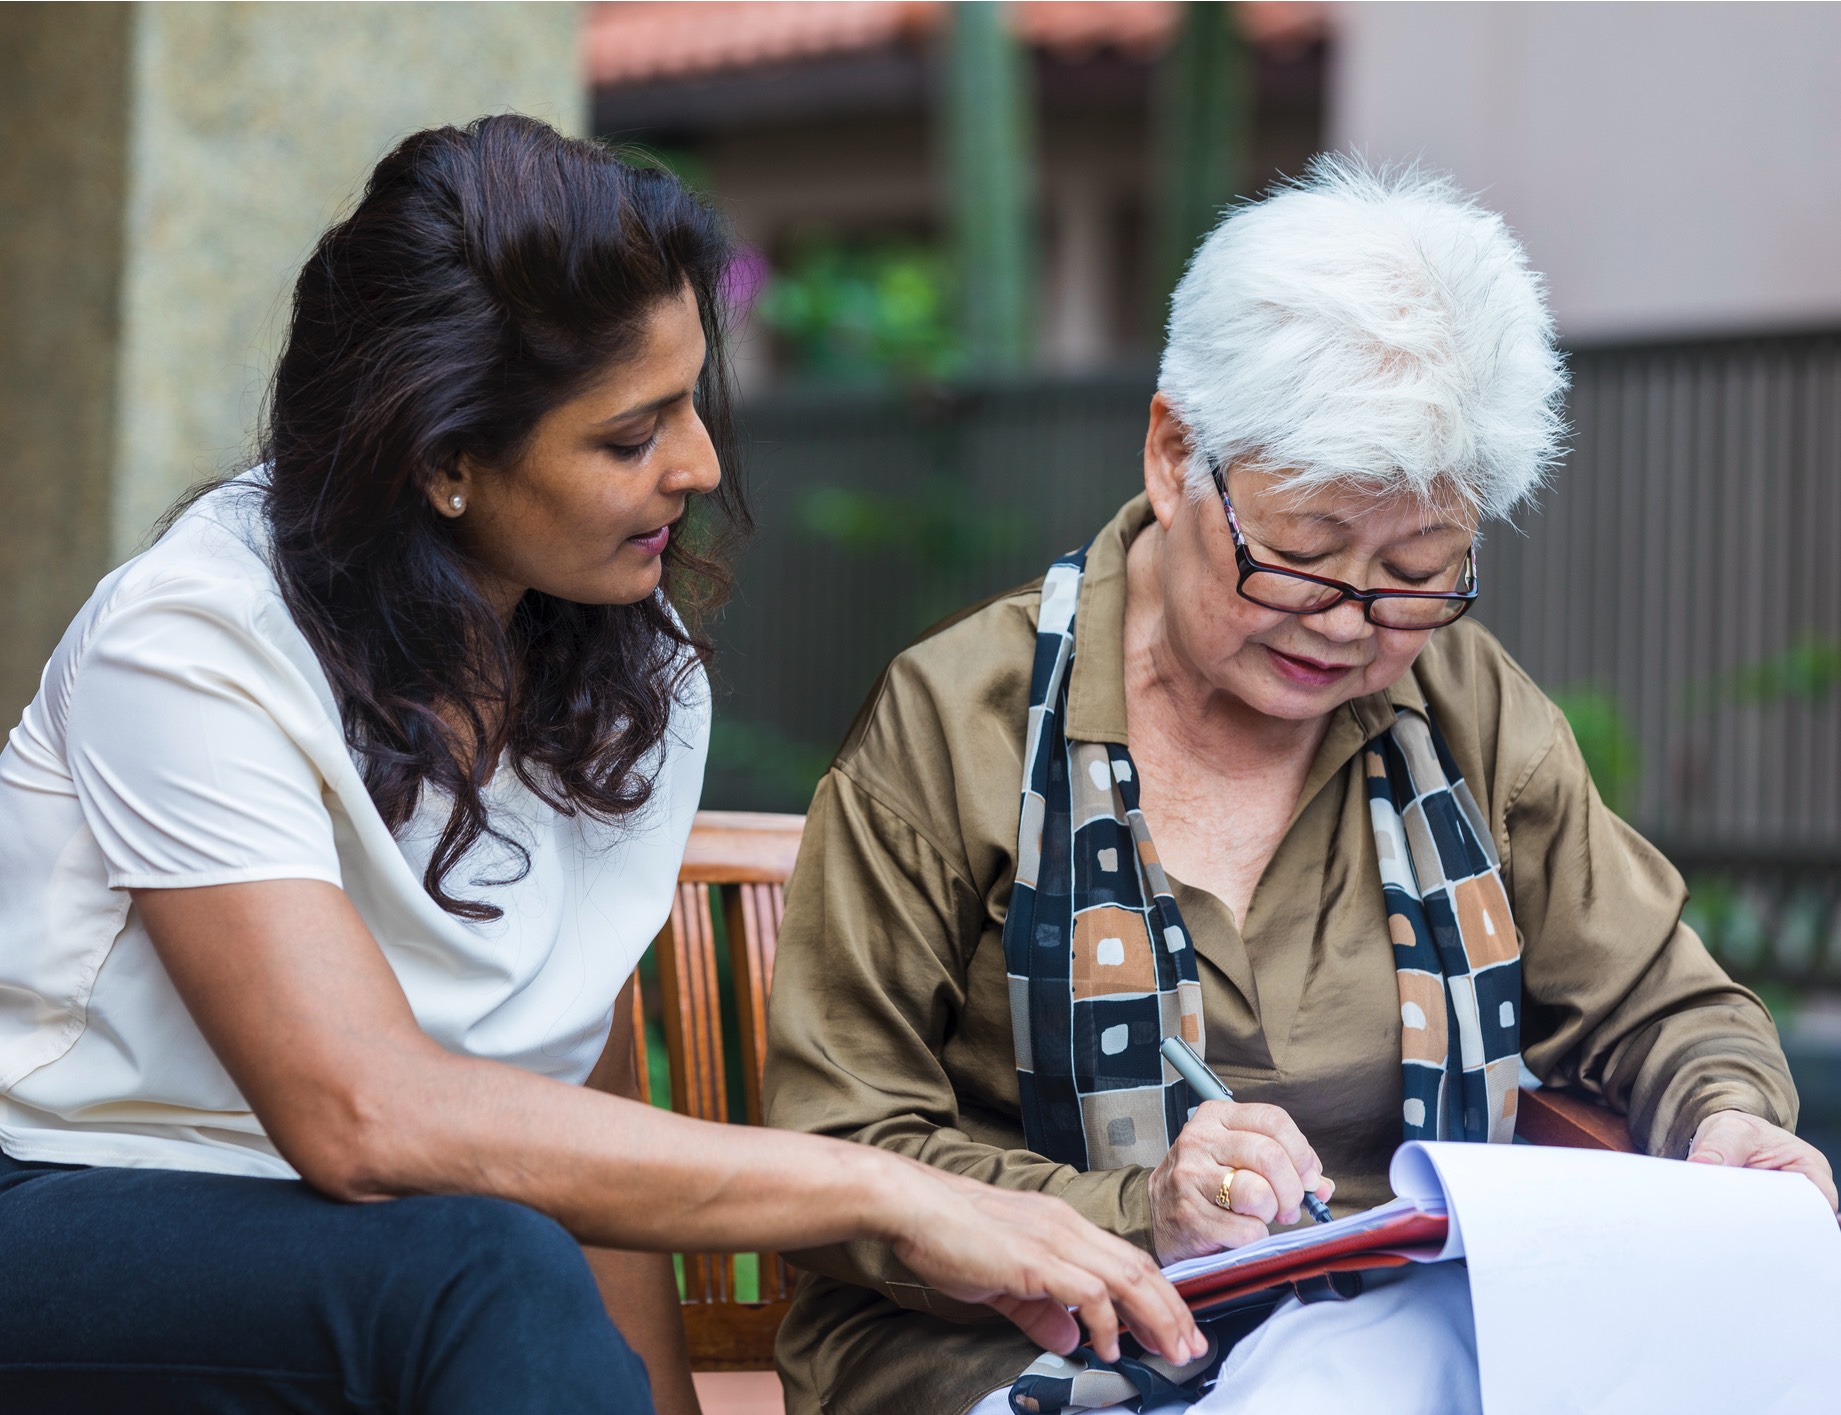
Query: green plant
(864, 313)
(1605, 741)
(785, 769)
(690, 168)
(1809, 670)
(934, 527)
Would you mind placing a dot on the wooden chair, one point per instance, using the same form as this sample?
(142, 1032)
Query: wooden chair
(1553, 1117)
(735, 868)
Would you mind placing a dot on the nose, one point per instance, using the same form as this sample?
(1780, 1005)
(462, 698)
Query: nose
(698, 470)
(1343, 623)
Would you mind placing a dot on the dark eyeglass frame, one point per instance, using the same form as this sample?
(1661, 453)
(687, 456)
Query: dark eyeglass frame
(1248, 566)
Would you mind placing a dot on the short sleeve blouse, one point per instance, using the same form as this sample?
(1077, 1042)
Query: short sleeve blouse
(184, 735)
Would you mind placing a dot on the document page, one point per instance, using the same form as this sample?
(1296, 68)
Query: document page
(1622, 1283)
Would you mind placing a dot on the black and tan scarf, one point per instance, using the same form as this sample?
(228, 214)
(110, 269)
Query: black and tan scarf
(1102, 968)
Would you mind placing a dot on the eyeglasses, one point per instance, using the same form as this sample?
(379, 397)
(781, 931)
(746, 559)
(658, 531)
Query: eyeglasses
(1294, 592)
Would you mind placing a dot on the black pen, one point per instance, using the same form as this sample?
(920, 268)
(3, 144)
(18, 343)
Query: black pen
(1207, 1086)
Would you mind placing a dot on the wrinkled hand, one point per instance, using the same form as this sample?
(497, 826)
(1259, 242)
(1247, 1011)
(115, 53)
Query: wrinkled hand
(1275, 1167)
(1031, 1257)
(1741, 1141)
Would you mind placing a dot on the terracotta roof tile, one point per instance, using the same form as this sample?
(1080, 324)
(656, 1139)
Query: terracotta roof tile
(648, 41)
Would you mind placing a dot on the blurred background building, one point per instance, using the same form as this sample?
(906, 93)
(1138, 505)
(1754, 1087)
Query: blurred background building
(960, 225)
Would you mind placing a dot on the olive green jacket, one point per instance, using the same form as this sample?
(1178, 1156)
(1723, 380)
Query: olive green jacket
(890, 1022)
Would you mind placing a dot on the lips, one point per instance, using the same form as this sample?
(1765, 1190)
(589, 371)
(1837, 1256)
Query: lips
(652, 542)
(1308, 671)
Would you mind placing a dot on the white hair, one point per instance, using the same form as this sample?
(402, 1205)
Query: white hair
(1368, 327)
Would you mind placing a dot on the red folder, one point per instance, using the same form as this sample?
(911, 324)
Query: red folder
(1404, 1231)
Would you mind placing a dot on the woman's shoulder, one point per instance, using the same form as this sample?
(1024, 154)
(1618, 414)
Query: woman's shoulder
(202, 600)
(215, 552)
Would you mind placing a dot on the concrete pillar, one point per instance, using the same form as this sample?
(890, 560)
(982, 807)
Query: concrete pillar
(164, 168)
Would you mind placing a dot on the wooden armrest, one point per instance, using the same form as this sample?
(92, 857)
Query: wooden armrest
(1550, 1117)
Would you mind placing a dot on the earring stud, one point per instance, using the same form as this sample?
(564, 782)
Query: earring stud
(457, 501)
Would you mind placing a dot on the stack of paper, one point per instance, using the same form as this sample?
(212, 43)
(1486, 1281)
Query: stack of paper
(1598, 1281)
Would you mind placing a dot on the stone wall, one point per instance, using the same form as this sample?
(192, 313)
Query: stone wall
(163, 171)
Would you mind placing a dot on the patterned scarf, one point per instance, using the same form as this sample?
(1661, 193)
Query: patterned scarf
(1102, 968)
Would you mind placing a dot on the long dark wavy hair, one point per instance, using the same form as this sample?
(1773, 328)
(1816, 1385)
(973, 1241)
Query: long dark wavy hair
(487, 275)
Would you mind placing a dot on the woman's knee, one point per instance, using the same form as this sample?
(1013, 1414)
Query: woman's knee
(512, 1300)
(504, 1246)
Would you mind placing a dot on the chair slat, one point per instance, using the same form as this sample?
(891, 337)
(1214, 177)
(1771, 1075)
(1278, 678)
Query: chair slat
(641, 1061)
(692, 1007)
(750, 916)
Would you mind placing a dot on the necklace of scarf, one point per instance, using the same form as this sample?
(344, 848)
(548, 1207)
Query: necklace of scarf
(1102, 968)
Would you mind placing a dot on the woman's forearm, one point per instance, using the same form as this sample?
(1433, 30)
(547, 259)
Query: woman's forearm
(620, 1173)
(300, 1005)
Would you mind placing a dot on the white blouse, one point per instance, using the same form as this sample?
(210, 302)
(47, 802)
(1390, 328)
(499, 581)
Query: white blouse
(183, 735)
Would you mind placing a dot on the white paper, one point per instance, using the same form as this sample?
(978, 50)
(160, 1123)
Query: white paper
(1609, 1282)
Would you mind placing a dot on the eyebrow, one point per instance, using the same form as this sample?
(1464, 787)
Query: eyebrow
(641, 409)
(1325, 518)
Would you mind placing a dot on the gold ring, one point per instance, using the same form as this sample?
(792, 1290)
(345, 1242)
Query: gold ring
(1224, 1195)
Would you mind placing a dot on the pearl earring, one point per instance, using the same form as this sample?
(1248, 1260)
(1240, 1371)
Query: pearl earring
(457, 501)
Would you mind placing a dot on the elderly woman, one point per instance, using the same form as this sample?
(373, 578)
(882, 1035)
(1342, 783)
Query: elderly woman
(1241, 771)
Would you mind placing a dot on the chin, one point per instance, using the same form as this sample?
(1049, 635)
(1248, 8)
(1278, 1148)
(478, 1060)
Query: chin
(1293, 707)
(629, 583)
(1295, 702)
(627, 589)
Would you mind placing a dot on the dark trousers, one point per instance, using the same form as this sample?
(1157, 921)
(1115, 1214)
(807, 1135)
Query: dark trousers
(149, 1290)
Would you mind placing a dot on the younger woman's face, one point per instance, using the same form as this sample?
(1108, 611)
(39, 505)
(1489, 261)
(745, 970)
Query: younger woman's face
(586, 512)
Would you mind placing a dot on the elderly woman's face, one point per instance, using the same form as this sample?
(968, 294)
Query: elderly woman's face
(1296, 666)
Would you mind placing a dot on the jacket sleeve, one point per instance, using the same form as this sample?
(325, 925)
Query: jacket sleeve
(870, 975)
(1623, 999)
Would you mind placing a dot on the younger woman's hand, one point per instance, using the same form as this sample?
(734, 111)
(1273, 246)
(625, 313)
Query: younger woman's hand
(1031, 1257)
(1272, 1167)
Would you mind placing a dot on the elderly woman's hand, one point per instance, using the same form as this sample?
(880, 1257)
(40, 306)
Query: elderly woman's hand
(1272, 1166)
(1741, 1141)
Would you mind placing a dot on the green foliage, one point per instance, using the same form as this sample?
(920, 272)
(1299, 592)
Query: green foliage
(1712, 900)
(865, 314)
(782, 767)
(1605, 741)
(1774, 938)
(688, 167)
(1809, 670)
(934, 527)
